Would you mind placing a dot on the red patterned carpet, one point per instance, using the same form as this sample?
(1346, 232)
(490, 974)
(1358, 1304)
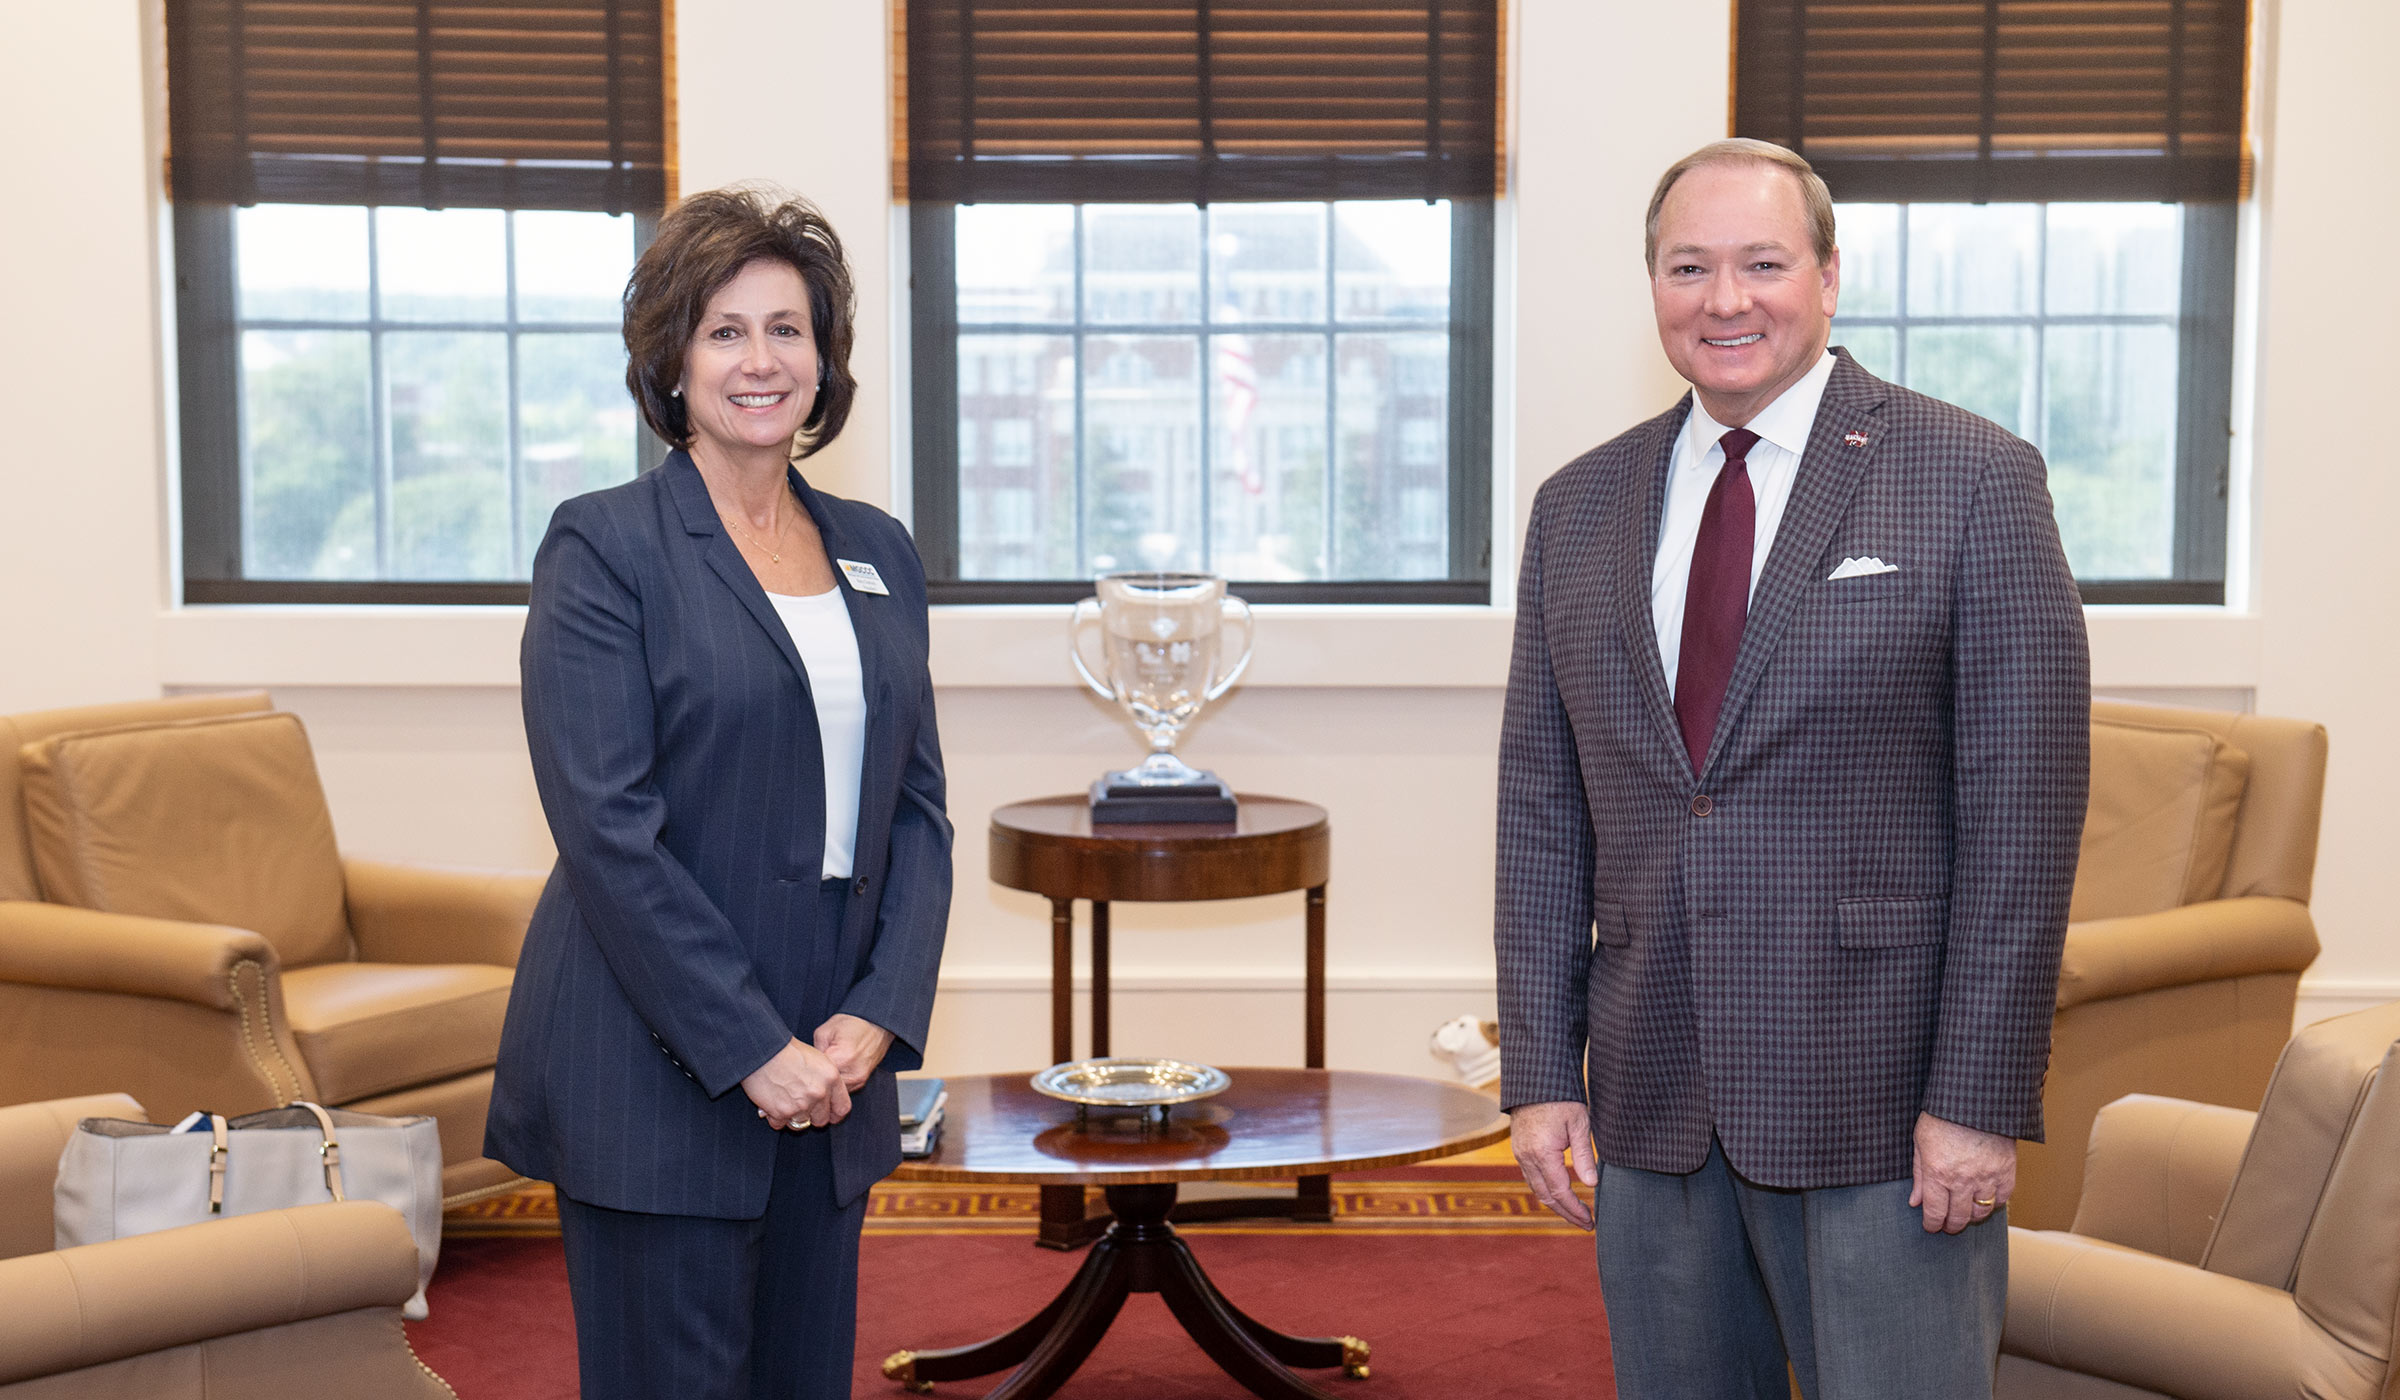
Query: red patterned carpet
(1461, 1284)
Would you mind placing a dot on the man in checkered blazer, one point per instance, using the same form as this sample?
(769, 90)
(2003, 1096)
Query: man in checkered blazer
(1791, 781)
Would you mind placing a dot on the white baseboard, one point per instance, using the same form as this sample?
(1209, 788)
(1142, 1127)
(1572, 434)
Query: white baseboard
(2330, 996)
(1281, 978)
(997, 1019)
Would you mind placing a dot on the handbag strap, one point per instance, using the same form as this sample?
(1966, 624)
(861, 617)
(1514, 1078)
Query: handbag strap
(216, 1164)
(330, 1150)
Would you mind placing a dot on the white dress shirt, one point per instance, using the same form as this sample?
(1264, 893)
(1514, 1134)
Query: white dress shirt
(1783, 428)
(820, 627)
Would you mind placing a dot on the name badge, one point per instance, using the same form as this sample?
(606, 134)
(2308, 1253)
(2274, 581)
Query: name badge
(863, 577)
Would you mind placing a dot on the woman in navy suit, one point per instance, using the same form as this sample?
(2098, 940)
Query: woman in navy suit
(732, 729)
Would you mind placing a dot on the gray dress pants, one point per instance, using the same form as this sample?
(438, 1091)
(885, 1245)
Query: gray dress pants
(1712, 1283)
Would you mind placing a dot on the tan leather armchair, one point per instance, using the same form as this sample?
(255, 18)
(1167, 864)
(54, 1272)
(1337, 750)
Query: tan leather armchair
(2189, 927)
(303, 1301)
(2224, 1255)
(176, 920)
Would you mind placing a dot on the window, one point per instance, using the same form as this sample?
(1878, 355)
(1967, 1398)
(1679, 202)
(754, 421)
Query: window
(401, 231)
(2079, 328)
(1252, 389)
(2037, 223)
(419, 388)
(1239, 323)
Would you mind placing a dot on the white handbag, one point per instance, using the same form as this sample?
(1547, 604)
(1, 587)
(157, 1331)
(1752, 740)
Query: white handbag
(119, 1177)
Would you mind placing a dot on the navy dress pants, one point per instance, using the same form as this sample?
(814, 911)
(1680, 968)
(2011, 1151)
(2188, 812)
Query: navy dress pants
(1713, 1283)
(681, 1307)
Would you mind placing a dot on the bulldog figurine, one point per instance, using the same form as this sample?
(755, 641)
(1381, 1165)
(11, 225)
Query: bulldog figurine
(1471, 1047)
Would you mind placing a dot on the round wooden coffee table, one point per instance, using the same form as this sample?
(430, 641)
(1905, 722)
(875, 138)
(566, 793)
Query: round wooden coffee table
(1269, 1123)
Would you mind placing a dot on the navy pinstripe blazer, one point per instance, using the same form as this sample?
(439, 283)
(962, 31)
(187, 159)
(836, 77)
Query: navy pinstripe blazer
(675, 745)
(1863, 920)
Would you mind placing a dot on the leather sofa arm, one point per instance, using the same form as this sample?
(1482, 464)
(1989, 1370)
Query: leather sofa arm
(2151, 1323)
(2157, 1173)
(2176, 947)
(103, 1302)
(56, 945)
(426, 914)
(32, 1136)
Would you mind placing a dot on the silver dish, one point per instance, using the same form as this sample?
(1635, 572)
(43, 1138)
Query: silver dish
(1130, 1083)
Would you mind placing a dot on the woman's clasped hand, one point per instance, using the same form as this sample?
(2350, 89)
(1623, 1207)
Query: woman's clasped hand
(809, 1086)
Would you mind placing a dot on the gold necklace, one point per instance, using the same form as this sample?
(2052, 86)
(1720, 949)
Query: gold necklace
(774, 556)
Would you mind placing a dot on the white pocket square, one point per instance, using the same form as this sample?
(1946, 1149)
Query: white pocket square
(1861, 568)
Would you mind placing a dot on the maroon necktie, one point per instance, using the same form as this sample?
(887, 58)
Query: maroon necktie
(1717, 600)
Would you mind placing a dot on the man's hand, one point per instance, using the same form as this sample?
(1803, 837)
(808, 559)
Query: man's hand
(800, 1087)
(855, 1046)
(1543, 1135)
(1962, 1174)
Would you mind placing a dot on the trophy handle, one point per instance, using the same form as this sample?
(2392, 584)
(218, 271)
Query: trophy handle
(1232, 608)
(1075, 626)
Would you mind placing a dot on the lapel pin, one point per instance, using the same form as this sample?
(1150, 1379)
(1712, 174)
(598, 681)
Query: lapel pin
(1854, 438)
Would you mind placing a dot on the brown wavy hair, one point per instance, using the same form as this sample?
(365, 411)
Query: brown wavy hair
(704, 243)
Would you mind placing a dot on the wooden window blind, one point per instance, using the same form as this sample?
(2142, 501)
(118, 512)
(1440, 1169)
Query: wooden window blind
(1201, 100)
(2000, 99)
(536, 104)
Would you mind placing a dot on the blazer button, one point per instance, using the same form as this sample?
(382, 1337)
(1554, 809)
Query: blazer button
(1701, 806)
(860, 887)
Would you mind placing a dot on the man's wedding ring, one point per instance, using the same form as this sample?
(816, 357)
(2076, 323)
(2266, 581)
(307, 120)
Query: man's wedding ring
(1986, 1201)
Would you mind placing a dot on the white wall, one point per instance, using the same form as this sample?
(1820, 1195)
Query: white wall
(1386, 716)
(82, 528)
(2329, 496)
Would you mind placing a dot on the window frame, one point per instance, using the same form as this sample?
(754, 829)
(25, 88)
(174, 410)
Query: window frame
(208, 330)
(934, 409)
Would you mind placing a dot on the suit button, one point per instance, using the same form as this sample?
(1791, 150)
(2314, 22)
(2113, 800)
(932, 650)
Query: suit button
(860, 887)
(1701, 806)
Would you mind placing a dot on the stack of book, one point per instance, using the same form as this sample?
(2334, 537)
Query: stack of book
(921, 1103)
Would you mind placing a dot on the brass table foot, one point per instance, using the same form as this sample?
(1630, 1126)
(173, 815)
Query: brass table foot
(1354, 1357)
(901, 1366)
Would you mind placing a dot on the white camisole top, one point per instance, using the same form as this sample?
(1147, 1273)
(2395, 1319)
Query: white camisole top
(819, 625)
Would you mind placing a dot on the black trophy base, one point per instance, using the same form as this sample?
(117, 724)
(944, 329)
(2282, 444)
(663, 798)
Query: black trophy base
(1117, 801)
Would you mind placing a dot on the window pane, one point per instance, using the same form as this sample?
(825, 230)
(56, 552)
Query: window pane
(1141, 263)
(446, 400)
(302, 262)
(572, 266)
(1266, 262)
(1141, 413)
(308, 455)
(442, 264)
(1016, 262)
(1973, 259)
(1869, 237)
(574, 425)
(1392, 417)
(1983, 369)
(1392, 260)
(2111, 446)
(1876, 348)
(1267, 479)
(2115, 259)
(1016, 456)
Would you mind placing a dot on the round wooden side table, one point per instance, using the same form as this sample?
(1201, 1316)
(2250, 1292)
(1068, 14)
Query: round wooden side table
(1048, 846)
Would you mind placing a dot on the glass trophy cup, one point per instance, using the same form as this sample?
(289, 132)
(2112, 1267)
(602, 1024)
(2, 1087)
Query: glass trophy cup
(1165, 657)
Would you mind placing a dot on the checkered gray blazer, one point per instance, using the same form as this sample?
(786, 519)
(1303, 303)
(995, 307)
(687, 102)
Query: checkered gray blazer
(1855, 912)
